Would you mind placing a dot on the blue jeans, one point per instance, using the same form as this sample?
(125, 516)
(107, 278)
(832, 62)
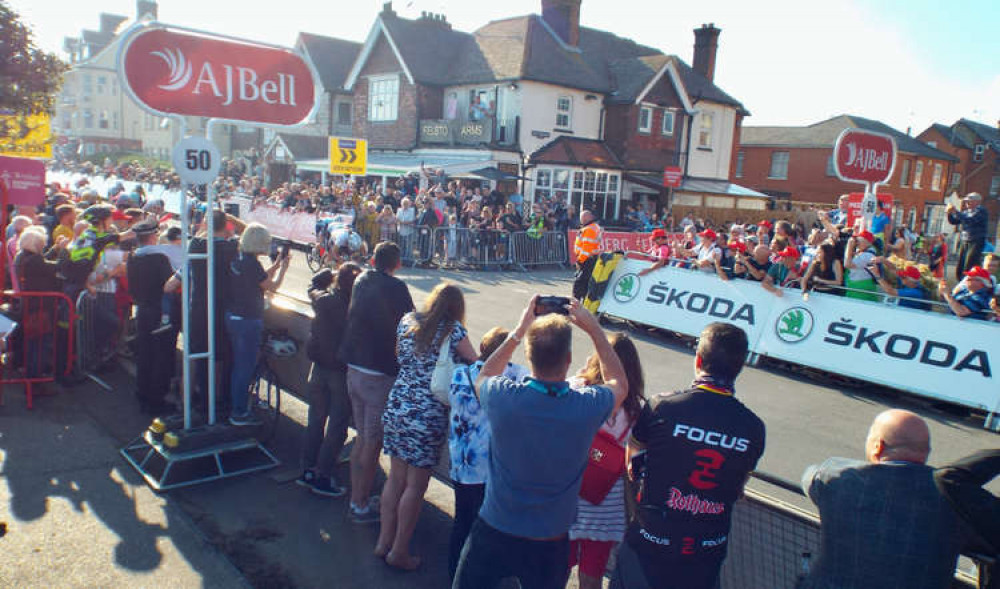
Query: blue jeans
(490, 555)
(244, 336)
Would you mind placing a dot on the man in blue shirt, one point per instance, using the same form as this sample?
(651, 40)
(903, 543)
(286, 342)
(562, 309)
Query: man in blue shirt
(971, 297)
(908, 287)
(542, 432)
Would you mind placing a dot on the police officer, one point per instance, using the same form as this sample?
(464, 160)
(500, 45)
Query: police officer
(148, 270)
(87, 249)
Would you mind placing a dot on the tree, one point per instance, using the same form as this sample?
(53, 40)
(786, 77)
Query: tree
(29, 77)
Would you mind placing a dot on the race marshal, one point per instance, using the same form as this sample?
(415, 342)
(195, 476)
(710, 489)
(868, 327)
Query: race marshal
(26, 136)
(348, 156)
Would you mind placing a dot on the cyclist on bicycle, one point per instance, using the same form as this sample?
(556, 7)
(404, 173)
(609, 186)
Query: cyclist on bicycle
(346, 245)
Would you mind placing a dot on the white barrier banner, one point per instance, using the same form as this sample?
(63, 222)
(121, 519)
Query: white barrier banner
(685, 301)
(927, 353)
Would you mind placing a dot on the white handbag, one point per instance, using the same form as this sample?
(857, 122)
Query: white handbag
(443, 371)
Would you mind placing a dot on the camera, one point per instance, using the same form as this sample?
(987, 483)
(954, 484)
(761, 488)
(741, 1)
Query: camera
(551, 304)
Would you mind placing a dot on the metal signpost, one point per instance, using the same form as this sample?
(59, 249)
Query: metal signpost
(176, 72)
(868, 158)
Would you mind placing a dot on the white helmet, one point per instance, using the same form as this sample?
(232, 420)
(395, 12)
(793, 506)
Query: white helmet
(281, 346)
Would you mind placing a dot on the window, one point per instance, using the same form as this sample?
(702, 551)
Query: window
(592, 189)
(645, 119)
(830, 170)
(956, 179)
(114, 120)
(705, 131)
(977, 154)
(904, 176)
(564, 112)
(102, 83)
(667, 128)
(995, 186)
(932, 144)
(88, 84)
(918, 171)
(936, 177)
(344, 113)
(102, 121)
(383, 98)
(88, 119)
(779, 165)
(740, 156)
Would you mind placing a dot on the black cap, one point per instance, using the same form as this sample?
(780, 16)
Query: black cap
(146, 227)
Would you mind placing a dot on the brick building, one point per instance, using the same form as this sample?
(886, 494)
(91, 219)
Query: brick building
(796, 164)
(977, 148)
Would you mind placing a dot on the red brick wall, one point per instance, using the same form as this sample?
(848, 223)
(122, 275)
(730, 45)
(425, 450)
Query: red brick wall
(646, 151)
(398, 134)
(807, 180)
(974, 178)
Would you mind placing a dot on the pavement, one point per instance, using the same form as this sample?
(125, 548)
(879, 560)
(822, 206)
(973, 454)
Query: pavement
(77, 515)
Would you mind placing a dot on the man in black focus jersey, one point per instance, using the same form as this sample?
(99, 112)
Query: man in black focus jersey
(689, 458)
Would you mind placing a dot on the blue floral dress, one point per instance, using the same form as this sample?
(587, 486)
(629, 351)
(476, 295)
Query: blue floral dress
(416, 423)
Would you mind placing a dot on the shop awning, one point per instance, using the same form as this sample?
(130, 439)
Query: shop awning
(494, 173)
(721, 187)
(654, 181)
(399, 164)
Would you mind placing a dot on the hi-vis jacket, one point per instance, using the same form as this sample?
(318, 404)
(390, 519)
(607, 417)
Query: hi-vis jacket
(588, 242)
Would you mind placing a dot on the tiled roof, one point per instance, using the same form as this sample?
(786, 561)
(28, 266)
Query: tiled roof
(574, 151)
(306, 147)
(333, 58)
(825, 133)
(431, 48)
(987, 133)
(951, 136)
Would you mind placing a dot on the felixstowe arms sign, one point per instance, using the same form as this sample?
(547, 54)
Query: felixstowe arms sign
(179, 72)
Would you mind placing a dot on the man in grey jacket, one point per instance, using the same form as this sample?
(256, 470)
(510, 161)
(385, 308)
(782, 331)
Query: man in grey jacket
(884, 523)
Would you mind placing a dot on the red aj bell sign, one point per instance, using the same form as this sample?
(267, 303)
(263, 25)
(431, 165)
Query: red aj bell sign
(179, 72)
(864, 156)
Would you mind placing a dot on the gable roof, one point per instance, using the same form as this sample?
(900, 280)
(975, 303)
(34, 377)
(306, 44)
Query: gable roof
(824, 134)
(990, 135)
(303, 147)
(574, 151)
(950, 135)
(332, 58)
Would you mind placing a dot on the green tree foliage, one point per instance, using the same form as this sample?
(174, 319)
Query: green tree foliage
(29, 77)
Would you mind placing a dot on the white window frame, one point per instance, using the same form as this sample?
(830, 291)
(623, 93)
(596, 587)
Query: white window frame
(601, 188)
(706, 126)
(956, 179)
(648, 127)
(771, 175)
(741, 157)
(383, 98)
(978, 152)
(667, 114)
(918, 171)
(936, 177)
(564, 110)
(904, 173)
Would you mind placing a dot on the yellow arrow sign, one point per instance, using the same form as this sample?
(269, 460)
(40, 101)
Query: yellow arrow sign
(26, 136)
(348, 156)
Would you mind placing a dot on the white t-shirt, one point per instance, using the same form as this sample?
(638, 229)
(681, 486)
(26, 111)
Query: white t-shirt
(406, 216)
(861, 262)
(706, 253)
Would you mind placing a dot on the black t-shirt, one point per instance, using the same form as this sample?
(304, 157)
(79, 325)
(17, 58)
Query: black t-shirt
(700, 447)
(749, 261)
(246, 299)
(511, 221)
(147, 273)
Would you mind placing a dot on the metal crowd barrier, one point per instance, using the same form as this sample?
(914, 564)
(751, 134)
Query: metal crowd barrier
(95, 338)
(417, 247)
(460, 246)
(40, 348)
(547, 248)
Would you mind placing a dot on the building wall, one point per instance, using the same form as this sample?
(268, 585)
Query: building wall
(400, 133)
(538, 114)
(647, 151)
(974, 176)
(712, 162)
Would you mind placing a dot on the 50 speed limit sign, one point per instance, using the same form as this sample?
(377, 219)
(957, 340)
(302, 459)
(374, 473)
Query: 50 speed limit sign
(196, 160)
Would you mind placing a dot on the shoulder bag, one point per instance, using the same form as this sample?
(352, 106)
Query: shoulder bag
(605, 465)
(443, 371)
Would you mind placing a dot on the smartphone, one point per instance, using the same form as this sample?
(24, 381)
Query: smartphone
(551, 304)
(285, 250)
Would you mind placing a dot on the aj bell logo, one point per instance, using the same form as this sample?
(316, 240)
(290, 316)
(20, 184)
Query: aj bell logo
(866, 159)
(240, 83)
(626, 288)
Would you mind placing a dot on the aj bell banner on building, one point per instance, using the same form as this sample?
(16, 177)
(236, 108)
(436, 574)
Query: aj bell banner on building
(684, 301)
(923, 352)
(931, 354)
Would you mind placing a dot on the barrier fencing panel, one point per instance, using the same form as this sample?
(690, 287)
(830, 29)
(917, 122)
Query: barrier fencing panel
(460, 246)
(548, 248)
(96, 334)
(41, 347)
(930, 354)
(417, 246)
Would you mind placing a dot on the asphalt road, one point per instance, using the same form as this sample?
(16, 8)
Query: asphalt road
(809, 417)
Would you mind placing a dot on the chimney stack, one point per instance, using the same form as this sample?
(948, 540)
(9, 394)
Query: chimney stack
(563, 17)
(706, 43)
(146, 8)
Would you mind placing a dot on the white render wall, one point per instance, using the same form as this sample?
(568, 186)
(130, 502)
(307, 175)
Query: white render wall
(714, 163)
(538, 113)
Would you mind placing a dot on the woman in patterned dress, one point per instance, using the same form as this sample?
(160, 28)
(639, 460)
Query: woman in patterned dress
(416, 423)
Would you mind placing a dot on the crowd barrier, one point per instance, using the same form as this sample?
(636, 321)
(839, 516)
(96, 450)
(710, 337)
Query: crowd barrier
(459, 246)
(41, 346)
(933, 355)
(547, 248)
(95, 341)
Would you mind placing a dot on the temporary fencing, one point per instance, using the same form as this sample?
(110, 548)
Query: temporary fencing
(41, 346)
(459, 246)
(417, 246)
(546, 248)
(96, 334)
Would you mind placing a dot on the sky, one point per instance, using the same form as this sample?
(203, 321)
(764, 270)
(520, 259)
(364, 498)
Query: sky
(907, 63)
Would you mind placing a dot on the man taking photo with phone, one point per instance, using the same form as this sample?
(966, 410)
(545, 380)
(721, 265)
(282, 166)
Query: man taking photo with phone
(542, 432)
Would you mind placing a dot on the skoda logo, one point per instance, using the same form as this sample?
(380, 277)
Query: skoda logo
(627, 288)
(794, 325)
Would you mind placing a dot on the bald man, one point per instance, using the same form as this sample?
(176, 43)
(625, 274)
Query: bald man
(884, 522)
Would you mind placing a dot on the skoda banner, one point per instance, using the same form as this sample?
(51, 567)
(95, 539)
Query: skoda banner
(923, 352)
(684, 301)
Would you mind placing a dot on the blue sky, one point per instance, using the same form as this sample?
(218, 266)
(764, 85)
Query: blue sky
(907, 63)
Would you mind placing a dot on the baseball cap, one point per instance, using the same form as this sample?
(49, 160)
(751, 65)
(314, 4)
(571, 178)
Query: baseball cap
(708, 233)
(789, 252)
(765, 223)
(911, 272)
(658, 234)
(737, 246)
(867, 236)
(979, 272)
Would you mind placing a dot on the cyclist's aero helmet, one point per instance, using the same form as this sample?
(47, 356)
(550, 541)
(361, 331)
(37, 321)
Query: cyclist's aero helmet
(354, 241)
(97, 213)
(281, 346)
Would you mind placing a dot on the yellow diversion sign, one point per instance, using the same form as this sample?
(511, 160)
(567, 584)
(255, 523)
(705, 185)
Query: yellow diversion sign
(26, 136)
(348, 156)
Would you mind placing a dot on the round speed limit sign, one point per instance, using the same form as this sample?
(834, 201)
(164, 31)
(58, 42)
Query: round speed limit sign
(196, 160)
